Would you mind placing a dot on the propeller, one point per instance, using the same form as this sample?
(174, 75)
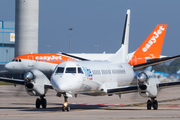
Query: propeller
(142, 77)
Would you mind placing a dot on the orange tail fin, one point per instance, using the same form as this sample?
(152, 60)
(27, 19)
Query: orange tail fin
(151, 47)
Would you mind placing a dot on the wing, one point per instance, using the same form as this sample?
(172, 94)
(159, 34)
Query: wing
(72, 56)
(19, 81)
(155, 62)
(169, 84)
(134, 88)
(11, 80)
(123, 90)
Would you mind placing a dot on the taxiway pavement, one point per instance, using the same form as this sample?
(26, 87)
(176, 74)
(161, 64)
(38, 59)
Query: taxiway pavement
(16, 104)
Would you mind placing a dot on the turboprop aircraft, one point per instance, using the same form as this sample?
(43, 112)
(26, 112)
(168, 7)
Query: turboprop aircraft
(97, 78)
(109, 75)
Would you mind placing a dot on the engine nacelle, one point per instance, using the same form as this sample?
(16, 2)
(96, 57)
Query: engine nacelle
(28, 76)
(148, 84)
(142, 77)
(36, 82)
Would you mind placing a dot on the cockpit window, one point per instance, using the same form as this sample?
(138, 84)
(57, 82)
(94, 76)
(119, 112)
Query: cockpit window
(71, 70)
(80, 70)
(60, 70)
(16, 60)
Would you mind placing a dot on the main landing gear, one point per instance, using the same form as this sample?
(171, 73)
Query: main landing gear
(41, 101)
(65, 105)
(152, 103)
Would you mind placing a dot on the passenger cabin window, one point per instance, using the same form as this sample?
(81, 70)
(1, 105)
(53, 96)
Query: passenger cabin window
(71, 70)
(60, 70)
(80, 70)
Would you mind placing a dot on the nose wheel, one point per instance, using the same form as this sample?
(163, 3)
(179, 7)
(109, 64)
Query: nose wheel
(41, 101)
(65, 106)
(152, 103)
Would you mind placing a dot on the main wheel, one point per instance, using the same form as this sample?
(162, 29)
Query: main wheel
(63, 108)
(44, 103)
(38, 103)
(67, 108)
(155, 104)
(149, 104)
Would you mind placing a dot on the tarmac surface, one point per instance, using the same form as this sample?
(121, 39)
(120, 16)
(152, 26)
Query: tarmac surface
(16, 104)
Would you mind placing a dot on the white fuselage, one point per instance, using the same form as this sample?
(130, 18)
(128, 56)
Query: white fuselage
(22, 65)
(25, 64)
(96, 77)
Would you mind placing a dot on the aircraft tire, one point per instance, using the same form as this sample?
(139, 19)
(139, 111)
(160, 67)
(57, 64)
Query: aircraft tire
(38, 103)
(63, 108)
(67, 108)
(149, 104)
(44, 103)
(155, 105)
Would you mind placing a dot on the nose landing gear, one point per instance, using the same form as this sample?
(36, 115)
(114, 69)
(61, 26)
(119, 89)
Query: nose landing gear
(65, 105)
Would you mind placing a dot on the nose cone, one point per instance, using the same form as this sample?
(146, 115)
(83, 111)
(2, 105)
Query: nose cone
(60, 84)
(14, 67)
(9, 67)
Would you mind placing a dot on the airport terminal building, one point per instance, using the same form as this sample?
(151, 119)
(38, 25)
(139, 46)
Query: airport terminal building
(7, 42)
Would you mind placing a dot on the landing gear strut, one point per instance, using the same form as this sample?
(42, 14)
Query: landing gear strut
(152, 103)
(65, 105)
(41, 101)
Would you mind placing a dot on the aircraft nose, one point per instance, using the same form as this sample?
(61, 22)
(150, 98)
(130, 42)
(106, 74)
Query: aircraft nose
(60, 84)
(8, 66)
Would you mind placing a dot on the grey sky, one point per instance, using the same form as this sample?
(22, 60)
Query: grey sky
(101, 22)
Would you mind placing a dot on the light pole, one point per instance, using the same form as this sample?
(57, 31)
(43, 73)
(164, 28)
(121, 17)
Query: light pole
(7, 55)
(70, 29)
(96, 47)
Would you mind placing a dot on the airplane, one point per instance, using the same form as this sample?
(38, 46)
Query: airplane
(46, 63)
(37, 66)
(97, 78)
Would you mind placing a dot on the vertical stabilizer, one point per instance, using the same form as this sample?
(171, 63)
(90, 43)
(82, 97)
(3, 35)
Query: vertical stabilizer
(151, 47)
(122, 54)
